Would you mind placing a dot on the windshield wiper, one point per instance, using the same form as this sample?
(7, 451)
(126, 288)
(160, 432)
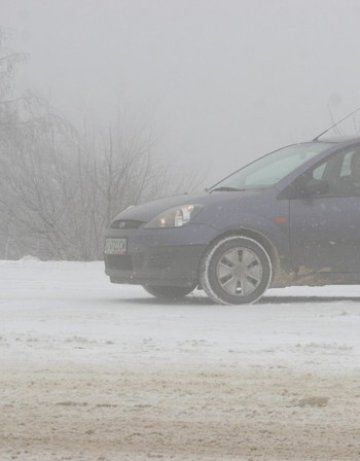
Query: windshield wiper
(226, 189)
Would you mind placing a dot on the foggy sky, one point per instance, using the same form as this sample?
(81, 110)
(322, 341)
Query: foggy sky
(216, 82)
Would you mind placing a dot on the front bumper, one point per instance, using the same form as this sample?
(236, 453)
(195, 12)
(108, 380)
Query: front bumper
(162, 257)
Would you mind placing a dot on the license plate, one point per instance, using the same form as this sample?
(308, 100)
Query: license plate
(115, 246)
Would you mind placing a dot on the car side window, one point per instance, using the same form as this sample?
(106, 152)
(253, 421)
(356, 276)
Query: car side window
(346, 165)
(319, 171)
(347, 183)
(337, 176)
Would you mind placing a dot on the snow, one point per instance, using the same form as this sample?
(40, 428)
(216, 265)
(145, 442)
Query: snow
(82, 341)
(61, 304)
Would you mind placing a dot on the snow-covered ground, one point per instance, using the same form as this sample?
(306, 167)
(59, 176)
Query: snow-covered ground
(95, 371)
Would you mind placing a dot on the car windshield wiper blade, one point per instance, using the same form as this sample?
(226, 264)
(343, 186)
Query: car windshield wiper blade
(225, 189)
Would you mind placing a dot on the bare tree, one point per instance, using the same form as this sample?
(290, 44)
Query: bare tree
(59, 189)
(59, 195)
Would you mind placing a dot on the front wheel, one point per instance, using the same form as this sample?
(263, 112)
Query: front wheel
(236, 270)
(168, 292)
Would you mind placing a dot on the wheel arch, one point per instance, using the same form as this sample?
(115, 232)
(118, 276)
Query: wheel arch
(260, 238)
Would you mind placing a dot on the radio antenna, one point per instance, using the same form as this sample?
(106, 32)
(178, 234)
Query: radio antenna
(336, 123)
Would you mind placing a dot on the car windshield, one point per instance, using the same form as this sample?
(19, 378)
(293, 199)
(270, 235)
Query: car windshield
(272, 168)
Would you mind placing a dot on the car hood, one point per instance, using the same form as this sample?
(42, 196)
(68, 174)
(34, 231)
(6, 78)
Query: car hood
(147, 211)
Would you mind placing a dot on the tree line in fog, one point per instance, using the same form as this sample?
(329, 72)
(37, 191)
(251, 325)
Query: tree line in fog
(60, 186)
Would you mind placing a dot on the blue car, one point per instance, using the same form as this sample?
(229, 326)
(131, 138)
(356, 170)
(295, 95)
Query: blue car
(291, 217)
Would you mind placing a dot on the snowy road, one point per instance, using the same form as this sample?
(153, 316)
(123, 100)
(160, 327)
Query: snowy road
(94, 371)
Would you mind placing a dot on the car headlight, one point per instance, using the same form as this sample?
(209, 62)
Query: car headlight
(174, 217)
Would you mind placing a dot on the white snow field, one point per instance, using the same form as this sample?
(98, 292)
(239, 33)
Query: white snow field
(94, 371)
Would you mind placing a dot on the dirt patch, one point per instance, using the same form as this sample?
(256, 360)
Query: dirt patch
(228, 413)
(314, 402)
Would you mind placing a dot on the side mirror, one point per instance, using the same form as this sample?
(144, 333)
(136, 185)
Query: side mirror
(313, 188)
(305, 188)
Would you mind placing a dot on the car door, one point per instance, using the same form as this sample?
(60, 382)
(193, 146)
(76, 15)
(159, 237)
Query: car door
(325, 227)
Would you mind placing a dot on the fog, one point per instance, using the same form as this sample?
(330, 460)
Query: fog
(215, 83)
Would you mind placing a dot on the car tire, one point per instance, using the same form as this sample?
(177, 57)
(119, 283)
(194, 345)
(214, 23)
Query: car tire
(166, 292)
(235, 270)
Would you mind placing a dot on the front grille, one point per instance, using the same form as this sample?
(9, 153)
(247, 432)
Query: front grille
(125, 224)
(122, 262)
